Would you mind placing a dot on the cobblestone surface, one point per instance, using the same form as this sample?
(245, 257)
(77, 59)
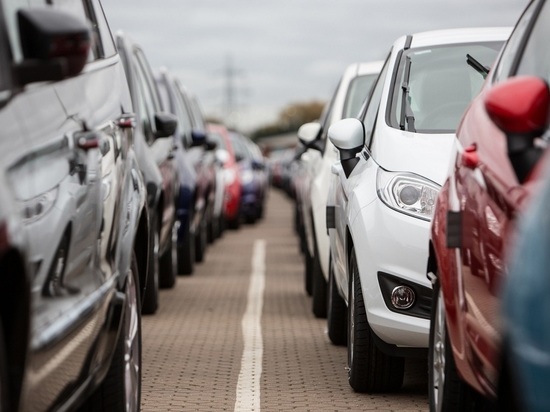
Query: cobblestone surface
(192, 346)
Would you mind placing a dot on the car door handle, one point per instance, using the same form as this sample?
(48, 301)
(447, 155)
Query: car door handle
(87, 140)
(126, 121)
(470, 158)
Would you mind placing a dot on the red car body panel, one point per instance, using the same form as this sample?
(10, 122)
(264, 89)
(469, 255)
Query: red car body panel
(484, 190)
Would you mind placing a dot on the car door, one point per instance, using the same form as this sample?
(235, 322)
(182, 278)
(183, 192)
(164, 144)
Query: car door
(345, 188)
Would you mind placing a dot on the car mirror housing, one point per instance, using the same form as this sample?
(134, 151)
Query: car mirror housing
(309, 136)
(198, 138)
(520, 108)
(166, 124)
(348, 136)
(55, 45)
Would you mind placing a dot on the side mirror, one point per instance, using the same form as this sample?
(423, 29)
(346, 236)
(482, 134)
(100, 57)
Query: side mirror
(166, 124)
(55, 45)
(519, 107)
(348, 136)
(198, 138)
(210, 145)
(308, 135)
(257, 165)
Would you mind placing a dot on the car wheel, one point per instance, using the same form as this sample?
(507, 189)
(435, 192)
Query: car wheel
(200, 242)
(235, 223)
(318, 289)
(151, 295)
(121, 388)
(369, 369)
(447, 391)
(168, 262)
(308, 269)
(336, 311)
(4, 401)
(186, 253)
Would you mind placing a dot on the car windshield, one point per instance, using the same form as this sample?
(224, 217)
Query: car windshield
(358, 91)
(434, 85)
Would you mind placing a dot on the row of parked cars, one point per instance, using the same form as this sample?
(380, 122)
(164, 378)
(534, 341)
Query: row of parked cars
(420, 204)
(112, 184)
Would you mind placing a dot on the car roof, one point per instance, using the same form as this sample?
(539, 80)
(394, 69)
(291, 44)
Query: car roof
(458, 35)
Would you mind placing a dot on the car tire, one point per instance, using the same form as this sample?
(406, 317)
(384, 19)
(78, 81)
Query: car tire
(318, 289)
(151, 294)
(369, 369)
(201, 241)
(308, 269)
(121, 388)
(447, 391)
(168, 262)
(4, 400)
(337, 311)
(186, 253)
(234, 224)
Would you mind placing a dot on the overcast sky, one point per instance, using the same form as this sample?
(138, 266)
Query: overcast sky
(282, 51)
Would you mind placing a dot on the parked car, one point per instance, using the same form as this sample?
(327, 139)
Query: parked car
(253, 177)
(188, 203)
(489, 184)
(154, 145)
(353, 88)
(73, 215)
(204, 161)
(231, 204)
(405, 140)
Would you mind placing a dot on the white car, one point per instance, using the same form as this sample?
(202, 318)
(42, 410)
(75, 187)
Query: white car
(393, 160)
(352, 90)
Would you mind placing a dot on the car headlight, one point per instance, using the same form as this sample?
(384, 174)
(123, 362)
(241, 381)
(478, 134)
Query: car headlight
(229, 176)
(407, 193)
(247, 176)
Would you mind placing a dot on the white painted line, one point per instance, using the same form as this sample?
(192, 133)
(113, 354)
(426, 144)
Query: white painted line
(248, 385)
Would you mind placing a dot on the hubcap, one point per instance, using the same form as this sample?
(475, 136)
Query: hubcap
(351, 321)
(174, 250)
(438, 367)
(132, 349)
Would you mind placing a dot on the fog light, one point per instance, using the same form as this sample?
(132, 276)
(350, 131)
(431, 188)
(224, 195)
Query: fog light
(402, 297)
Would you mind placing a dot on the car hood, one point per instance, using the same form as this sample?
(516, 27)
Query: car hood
(428, 155)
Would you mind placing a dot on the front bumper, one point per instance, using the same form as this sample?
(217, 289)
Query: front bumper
(389, 244)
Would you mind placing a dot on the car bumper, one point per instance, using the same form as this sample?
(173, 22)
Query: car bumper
(395, 246)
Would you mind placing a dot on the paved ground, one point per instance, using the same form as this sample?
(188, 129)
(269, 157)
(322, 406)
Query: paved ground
(194, 348)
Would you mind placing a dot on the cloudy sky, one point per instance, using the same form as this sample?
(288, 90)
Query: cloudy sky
(274, 53)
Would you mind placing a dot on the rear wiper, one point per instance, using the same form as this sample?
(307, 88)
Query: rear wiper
(406, 111)
(481, 69)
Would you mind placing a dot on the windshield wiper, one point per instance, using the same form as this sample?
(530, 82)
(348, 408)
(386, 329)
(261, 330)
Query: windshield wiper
(481, 69)
(407, 114)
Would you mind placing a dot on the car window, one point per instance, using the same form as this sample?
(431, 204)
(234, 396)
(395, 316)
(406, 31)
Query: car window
(510, 52)
(146, 100)
(371, 108)
(535, 59)
(104, 43)
(440, 85)
(358, 91)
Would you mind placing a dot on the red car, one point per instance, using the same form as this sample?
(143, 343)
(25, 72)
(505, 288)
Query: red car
(493, 176)
(232, 177)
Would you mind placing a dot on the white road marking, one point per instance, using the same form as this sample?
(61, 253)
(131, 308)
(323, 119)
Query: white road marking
(248, 385)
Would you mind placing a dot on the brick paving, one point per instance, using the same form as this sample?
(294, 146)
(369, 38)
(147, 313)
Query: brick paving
(192, 346)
